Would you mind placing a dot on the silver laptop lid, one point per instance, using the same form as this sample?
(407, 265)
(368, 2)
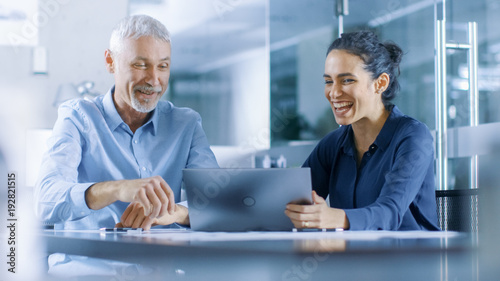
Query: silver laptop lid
(244, 199)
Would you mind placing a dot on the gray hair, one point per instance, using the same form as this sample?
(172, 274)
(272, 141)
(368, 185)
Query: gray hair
(135, 27)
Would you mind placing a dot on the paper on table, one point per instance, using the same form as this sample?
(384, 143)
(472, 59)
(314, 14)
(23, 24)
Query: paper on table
(188, 235)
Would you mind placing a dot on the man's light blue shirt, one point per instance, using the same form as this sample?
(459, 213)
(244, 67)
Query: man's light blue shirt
(90, 143)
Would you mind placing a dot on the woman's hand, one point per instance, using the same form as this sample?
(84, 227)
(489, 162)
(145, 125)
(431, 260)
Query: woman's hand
(134, 217)
(318, 215)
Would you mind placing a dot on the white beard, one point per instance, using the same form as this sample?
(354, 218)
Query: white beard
(147, 107)
(149, 104)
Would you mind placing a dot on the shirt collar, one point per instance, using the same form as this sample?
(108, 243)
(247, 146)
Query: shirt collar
(386, 134)
(113, 119)
(384, 137)
(154, 119)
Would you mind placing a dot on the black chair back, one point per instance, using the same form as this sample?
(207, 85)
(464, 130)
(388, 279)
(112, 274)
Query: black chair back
(458, 209)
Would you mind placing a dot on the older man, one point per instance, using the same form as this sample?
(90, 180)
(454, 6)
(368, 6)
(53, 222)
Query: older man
(125, 146)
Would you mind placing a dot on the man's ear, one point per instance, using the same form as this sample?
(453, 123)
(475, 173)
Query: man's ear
(382, 83)
(110, 63)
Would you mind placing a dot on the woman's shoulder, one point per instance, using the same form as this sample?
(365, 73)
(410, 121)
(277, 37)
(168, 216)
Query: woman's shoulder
(408, 125)
(411, 135)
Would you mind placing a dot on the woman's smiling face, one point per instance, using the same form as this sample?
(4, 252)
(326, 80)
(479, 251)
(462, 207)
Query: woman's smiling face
(350, 89)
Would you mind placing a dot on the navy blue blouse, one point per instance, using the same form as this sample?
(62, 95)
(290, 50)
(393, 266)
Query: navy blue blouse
(393, 187)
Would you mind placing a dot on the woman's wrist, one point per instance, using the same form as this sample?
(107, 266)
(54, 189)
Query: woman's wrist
(347, 225)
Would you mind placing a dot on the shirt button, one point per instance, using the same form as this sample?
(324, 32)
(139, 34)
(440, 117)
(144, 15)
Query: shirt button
(144, 168)
(135, 141)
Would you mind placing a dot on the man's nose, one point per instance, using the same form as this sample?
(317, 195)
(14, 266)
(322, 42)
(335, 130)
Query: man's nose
(153, 77)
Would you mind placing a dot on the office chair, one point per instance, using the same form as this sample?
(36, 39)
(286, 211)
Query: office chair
(458, 209)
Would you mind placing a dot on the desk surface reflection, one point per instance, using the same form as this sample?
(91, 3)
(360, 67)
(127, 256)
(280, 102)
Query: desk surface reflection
(348, 255)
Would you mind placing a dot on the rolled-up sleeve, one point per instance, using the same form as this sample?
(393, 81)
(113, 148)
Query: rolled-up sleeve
(200, 154)
(58, 195)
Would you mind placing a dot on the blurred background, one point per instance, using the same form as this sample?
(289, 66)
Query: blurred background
(253, 70)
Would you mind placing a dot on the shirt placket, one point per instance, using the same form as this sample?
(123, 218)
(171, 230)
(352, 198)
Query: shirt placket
(138, 151)
(359, 171)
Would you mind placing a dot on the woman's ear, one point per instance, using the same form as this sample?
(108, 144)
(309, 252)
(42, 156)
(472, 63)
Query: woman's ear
(108, 57)
(382, 83)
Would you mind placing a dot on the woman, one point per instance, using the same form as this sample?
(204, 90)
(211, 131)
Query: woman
(378, 166)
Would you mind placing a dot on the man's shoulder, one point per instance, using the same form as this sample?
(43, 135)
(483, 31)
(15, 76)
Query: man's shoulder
(84, 111)
(83, 104)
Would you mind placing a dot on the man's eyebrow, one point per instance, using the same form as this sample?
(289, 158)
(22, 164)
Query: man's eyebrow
(146, 59)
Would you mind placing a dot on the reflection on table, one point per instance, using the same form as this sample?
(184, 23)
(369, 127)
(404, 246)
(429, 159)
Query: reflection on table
(172, 254)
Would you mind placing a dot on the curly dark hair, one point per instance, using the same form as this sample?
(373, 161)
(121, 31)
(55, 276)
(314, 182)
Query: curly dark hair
(378, 57)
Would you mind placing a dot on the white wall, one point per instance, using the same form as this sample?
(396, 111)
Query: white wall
(250, 105)
(75, 34)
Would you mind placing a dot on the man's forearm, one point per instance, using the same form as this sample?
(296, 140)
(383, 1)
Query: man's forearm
(101, 195)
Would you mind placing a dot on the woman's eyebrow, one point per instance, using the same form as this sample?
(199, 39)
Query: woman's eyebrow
(346, 74)
(339, 75)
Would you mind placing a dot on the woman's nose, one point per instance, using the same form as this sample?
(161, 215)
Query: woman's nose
(335, 92)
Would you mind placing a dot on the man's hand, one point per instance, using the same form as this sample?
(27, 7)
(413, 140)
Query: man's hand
(134, 217)
(318, 215)
(153, 194)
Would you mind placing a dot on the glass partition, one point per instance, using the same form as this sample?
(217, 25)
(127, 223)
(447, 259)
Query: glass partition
(253, 69)
(300, 35)
(299, 40)
(220, 65)
(298, 54)
(472, 98)
(410, 24)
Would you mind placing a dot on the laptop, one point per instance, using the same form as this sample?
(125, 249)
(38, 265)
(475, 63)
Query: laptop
(244, 199)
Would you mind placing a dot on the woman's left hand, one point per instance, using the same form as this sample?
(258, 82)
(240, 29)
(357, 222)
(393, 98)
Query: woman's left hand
(317, 215)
